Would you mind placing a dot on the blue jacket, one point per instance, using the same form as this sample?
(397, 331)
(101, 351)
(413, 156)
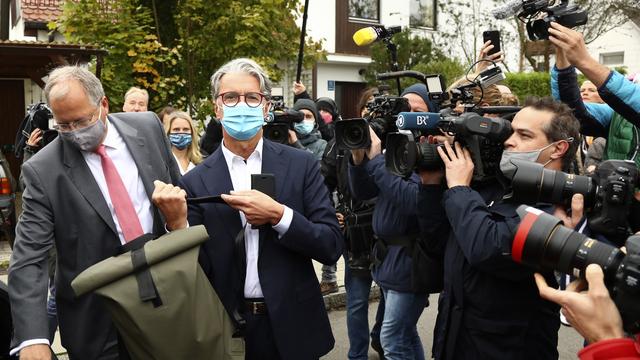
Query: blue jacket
(490, 307)
(394, 215)
(287, 277)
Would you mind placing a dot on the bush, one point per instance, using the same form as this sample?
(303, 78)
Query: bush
(529, 84)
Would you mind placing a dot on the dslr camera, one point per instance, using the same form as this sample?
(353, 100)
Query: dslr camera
(543, 243)
(280, 119)
(354, 134)
(608, 193)
(565, 14)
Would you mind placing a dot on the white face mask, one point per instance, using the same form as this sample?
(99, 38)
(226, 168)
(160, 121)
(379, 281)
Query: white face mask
(508, 168)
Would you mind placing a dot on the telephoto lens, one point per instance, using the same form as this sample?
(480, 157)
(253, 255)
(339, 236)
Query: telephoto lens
(352, 134)
(542, 242)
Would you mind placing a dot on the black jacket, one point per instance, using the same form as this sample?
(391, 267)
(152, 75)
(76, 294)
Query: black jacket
(490, 307)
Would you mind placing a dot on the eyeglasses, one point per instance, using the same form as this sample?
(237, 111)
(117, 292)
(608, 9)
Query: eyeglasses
(79, 124)
(232, 98)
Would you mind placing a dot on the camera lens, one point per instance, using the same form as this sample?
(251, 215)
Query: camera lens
(542, 242)
(402, 151)
(352, 134)
(276, 132)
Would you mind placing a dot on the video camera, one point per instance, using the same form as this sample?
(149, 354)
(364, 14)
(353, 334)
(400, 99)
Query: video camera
(280, 119)
(565, 14)
(541, 242)
(608, 193)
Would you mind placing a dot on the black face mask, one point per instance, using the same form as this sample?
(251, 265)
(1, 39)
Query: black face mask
(634, 215)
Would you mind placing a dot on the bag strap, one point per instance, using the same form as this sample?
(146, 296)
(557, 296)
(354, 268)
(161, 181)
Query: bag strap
(146, 287)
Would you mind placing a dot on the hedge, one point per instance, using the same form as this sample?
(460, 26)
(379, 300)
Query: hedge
(529, 84)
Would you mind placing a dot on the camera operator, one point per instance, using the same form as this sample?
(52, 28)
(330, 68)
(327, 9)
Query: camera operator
(355, 219)
(594, 315)
(395, 226)
(619, 118)
(489, 307)
(305, 134)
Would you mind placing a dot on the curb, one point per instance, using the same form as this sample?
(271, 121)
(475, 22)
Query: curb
(338, 300)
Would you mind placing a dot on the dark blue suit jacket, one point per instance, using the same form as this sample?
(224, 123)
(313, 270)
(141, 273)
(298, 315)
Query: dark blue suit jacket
(287, 277)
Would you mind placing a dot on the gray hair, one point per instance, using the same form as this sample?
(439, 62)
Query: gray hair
(59, 78)
(133, 90)
(241, 65)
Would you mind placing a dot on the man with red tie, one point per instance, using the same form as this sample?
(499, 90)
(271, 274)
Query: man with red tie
(87, 193)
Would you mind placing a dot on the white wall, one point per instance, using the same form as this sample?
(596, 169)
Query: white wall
(321, 23)
(335, 72)
(625, 38)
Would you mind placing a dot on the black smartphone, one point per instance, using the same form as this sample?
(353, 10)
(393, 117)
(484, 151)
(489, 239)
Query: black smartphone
(265, 183)
(494, 36)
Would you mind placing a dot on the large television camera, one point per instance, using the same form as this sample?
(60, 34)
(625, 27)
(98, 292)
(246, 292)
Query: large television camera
(543, 243)
(280, 119)
(608, 194)
(383, 111)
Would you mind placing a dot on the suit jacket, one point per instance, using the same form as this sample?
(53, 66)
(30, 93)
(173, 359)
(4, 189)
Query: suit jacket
(62, 204)
(288, 280)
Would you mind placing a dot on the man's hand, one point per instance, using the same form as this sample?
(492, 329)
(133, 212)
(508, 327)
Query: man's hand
(172, 203)
(258, 208)
(497, 57)
(577, 211)
(340, 218)
(293, 137)
(593, 314)
(458, 165)
(36, 352)
(35, 138)
(575, 50)
(298, 88)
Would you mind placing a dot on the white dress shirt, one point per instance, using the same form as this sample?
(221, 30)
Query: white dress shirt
(240, 173)
(189, 167)
(126, 166)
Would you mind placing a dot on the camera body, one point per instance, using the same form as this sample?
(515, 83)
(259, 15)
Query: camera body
(543, 243)
(354, 134)
(41, 118)
(280, 120)
(608, 194)
(565, 14)
(484, 137)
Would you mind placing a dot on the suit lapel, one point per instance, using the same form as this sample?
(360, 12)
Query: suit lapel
(217, 180)
(81, 176)
(272, 163)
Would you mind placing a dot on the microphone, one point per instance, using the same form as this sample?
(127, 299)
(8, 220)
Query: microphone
(418, 120)
(368, 35)
(509, 9)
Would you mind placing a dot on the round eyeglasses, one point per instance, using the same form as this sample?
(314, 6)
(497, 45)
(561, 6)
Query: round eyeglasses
(232, 98)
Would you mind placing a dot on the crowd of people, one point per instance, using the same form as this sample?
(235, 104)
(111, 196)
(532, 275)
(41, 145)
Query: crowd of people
(111, 177)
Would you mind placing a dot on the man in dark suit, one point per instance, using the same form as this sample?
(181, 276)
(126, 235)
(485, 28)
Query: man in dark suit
(259, 255)
(87, 192)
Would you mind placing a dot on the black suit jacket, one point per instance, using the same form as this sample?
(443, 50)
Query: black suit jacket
(62, 203)
(287, 277)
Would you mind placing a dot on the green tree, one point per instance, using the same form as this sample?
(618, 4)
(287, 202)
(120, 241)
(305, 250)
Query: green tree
(125, 29)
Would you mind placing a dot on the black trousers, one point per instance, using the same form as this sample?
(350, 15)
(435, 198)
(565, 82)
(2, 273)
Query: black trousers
(260, 343)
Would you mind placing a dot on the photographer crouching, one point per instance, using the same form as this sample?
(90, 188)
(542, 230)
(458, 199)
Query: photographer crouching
(490, 307)
(396, 229)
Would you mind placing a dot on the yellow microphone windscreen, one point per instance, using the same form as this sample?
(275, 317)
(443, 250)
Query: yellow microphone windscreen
(365, 36)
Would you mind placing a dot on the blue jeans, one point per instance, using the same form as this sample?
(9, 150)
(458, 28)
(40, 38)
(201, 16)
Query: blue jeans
(358, 289)
(399, 335)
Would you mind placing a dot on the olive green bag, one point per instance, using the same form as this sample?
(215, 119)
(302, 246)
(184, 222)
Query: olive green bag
(161, 301)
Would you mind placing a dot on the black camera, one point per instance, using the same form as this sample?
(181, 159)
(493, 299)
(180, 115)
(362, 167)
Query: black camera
(484, 137)
(608, 193)
(280, 120)
(41, 117)
(565, 14)
(543, 243)
(383, 110)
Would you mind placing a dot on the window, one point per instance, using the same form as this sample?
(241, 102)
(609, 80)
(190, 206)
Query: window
(367, 10)
(616, 58)
(422, 13)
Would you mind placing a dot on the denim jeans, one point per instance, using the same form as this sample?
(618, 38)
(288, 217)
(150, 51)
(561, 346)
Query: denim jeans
(329, 273)
(358, 289)
(399, 334)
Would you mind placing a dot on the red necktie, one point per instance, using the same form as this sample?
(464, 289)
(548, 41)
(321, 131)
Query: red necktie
(125, 212)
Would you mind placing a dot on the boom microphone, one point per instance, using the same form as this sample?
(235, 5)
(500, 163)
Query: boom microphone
(368, 35)
(418, 120)
(508, 10)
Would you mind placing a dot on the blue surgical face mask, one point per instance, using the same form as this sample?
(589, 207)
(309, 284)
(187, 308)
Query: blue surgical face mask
(304, 127)
(242, 122)
(181, 141)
